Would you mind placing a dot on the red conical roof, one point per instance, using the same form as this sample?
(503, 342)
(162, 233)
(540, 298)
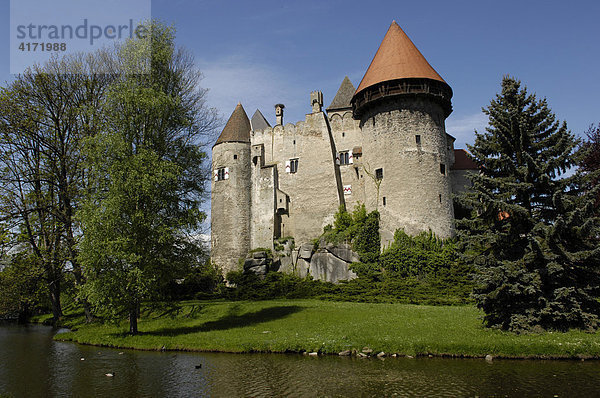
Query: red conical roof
(237, 128)
(397, 58)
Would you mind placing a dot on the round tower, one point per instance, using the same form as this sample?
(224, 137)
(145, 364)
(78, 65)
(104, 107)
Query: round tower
(402, 104)
(230, 193)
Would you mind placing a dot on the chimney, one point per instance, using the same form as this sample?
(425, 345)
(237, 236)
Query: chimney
(279, 114)
(316, 101)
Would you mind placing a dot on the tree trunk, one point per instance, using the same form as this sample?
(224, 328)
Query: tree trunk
(134, 312)
(55, 301)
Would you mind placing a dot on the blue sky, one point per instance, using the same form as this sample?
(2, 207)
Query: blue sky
(267, 52)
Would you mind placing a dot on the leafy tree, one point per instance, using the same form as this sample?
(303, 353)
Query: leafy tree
(146, 178)
(45, 114)
(527, 237)
(21, 286)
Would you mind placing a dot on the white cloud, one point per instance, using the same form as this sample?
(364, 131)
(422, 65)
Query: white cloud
(463, 128)
(240, 79)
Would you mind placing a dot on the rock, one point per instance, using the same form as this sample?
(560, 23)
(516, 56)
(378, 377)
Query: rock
(381, 354)
(302, 267)
(329, 268)
(313, 354)
(489, 358)
(345, 353)
(343, 252)
(109, 374)
(394, 355)
(259, 254)
(410, 356)
(367, 350)
(198, 366)
(286, 264)
(121, 353)
(430, 356)
(82, 359)
(306, 250)
(361, 355)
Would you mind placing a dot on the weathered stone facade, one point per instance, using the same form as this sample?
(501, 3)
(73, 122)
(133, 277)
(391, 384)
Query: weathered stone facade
(384, 145)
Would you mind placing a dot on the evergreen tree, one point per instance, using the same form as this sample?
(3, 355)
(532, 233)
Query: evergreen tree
(590, 162)
(528, 235)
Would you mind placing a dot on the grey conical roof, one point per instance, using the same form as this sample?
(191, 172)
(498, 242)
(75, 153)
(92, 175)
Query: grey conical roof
(258, 121)
(343, 96)
(237, 128)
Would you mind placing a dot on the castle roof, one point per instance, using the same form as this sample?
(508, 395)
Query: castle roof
(258, 121)
(343, 96)
(237, 128)
(462, 161)
(397, 58)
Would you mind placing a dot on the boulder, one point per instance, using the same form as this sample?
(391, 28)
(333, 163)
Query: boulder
(306, 251)
(286, 265)
(343, 252)
(259, 254)
(327, 267)
(302, 268)
(254, 262)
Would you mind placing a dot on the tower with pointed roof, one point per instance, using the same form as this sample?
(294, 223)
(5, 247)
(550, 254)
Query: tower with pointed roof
(402, 104)
(230, 193)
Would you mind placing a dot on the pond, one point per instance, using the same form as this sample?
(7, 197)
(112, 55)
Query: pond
(33, 365)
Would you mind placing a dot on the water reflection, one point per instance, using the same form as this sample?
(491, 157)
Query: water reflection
(32, 365)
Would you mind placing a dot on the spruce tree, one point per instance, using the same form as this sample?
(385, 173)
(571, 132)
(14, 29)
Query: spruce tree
(590, 158)
(528, 235)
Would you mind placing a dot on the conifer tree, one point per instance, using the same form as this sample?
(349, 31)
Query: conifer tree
(529, 236)
(590, 162)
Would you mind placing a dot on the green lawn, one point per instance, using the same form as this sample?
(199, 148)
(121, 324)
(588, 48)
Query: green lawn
(330, 327)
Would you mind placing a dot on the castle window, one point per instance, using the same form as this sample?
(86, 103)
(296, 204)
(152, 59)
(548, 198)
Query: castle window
(418, 139)
(235, 156)
(440, 198)
(379, 174)
(443, 168)
(384, 200)
(343, 134)
(291, 166)
(345, 158)
(222, 174)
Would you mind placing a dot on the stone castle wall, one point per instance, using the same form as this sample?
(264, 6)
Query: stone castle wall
(311, 192)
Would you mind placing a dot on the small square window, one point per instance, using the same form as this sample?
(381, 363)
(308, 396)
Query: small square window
(443, 168)
(379, 174)
(235, 156)
(418, 139)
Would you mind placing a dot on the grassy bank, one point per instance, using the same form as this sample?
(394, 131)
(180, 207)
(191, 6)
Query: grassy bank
(330, 327)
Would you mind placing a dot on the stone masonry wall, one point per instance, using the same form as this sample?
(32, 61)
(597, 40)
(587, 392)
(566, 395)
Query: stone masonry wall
(312, 190)
(416, 188)
(230, 210)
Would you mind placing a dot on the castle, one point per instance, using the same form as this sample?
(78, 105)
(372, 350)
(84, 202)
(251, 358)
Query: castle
(383, 144)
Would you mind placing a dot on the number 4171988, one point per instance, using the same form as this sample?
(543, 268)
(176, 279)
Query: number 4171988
(43, 46)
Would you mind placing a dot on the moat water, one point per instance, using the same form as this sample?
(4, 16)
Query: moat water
(33, 365)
